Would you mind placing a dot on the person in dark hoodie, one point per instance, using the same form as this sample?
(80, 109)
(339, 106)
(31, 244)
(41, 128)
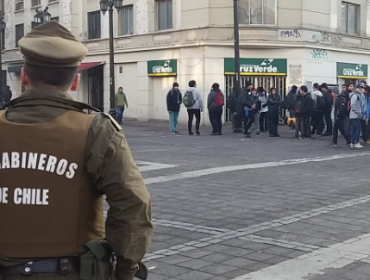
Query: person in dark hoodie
(340, 113)
(327, 109)
(215, 108)
(290, 100)
(307, 109)
(174, 100)
(249, 107)
(298, 115)
(274, 103)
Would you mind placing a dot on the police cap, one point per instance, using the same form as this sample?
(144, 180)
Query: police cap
(52, 45)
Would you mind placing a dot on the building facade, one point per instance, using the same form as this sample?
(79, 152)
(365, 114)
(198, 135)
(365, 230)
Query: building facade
(158, 42)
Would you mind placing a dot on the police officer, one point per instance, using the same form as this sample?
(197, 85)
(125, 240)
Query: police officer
(56, 163)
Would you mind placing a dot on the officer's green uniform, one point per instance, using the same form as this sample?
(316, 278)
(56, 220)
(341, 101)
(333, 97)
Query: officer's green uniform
(108, 159)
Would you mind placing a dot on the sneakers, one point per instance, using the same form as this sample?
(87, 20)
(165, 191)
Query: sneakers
(358, 146)
(197, 133)
(248, 135)
(327, 134)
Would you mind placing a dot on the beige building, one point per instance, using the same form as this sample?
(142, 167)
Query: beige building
(157, 42)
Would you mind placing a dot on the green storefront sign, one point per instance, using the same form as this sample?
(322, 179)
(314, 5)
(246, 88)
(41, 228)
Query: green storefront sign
(162, 68)
(257, 67)
(351, 71)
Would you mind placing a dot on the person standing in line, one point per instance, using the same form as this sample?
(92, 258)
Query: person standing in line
(367, 89)
(344, 88)
(263, 98)
(307, 109)
(327, 109)
(215, 102)
(340, 113)
(121, 103)
(356, 115)
(274, 103)
(364, 128)
(249, 106)
(193, 101)
(7, 95)
(174, 100)
(318, 116)
(290, 100)
(298, 115)
(256, 125)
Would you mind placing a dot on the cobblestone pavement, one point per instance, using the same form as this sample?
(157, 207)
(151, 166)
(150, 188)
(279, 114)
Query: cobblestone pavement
(225, 207)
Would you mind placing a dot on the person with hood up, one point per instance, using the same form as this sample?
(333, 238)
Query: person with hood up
(193, 95)
(290, 100)
(327, 109)
(357, 112)
(121, 103)
(249, 107)
(263, 98)
(174, 100)
(215, 107)
(307, 109)
(274, 103)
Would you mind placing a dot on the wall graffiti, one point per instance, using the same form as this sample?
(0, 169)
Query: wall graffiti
(290, 33)
(337, 38)
(319, 54)
(321, 37)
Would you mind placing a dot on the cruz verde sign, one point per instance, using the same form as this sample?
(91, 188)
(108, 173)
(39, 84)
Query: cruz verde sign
(162, 68)
(257, 67)
(351, 71)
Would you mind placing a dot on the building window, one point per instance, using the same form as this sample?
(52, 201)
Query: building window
(35, 3)
(126, 20)
(350, 18)
(259, 12)
(94, 25)
(19, 5)
(19, 33)
(164, 14)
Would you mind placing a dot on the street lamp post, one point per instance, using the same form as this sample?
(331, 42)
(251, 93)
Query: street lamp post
(107, 5)
(42, 16)
(238, 110)
(2, 29)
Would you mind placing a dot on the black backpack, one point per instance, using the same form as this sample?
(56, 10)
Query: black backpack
(320, 103)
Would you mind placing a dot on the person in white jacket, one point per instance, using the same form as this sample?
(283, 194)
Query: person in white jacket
(196, 109)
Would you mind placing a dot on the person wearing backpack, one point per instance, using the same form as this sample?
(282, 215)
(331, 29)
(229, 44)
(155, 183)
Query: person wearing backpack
(340, 113)
(249, 106)
(274, 103)
(290, 100)
(193, 101)
(216, 102)
(307, 110)
(318, 116)
(174, 100)
(356, 114)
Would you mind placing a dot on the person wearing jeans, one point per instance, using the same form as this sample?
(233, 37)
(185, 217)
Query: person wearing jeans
(262, 98)
(358, 110)
(174, 100)
(195, 109)
(121, 102)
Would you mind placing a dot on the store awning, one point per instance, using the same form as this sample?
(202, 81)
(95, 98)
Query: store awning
(15, 69)
(88, 65)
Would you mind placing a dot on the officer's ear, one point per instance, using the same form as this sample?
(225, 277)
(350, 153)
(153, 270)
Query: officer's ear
(75, 83)
(24, 77)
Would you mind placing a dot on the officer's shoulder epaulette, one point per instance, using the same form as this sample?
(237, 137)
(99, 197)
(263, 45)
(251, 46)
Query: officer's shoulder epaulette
(112, 120)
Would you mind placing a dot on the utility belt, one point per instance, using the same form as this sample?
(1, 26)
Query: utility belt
(98, 263)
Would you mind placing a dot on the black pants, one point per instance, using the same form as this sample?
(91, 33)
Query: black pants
(273, 122)
(263, 122)
(291, 113)
(339, 125)
(306, 127)
(317, 121)
(329, 124)
(215, 116)
(248, 121)
(298, 125)
(191, 114)
(365, 131)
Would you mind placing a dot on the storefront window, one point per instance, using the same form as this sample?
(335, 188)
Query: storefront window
(257, 12)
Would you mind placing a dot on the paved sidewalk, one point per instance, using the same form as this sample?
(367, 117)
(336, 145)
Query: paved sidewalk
(225, 207)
